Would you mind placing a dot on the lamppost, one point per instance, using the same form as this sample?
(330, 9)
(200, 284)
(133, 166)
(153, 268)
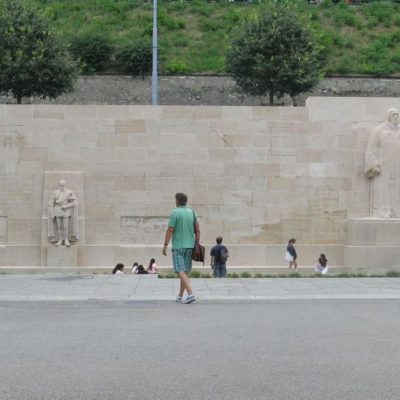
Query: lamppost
(154, 76)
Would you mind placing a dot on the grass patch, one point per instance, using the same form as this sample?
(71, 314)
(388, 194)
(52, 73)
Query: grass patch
(194, 36)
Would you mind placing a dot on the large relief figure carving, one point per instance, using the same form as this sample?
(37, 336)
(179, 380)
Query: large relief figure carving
(63, 216)
(383, 167)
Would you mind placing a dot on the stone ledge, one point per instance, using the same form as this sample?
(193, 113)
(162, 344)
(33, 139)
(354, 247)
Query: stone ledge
(275, 270)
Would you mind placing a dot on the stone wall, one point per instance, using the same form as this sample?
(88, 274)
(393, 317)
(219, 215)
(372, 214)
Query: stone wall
(204, 90)
(256, 175)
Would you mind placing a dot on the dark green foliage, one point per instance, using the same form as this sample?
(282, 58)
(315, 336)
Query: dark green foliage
(393, 274)
(194, 35)
(93, 49)
(33, 61)
(169, 22)
(135, 58)
(276, 54)
(245, 275)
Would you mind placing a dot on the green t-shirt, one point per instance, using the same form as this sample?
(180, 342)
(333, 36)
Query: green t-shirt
(182, 220)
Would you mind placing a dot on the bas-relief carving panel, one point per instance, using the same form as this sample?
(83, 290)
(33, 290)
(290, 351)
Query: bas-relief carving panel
(143, 230)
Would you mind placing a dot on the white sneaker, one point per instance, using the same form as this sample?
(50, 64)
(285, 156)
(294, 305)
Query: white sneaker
(190, 299)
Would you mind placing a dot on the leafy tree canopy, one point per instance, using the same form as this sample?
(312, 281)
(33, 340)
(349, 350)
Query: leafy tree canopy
(33, 61)
(275, 53)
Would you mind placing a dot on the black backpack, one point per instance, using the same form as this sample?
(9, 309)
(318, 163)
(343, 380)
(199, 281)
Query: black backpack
(223, 255)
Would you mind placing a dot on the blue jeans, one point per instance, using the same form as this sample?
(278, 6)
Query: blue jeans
(219, 270)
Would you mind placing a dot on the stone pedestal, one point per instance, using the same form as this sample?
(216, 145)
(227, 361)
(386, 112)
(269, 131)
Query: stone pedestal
(373, 244)
(61, 257)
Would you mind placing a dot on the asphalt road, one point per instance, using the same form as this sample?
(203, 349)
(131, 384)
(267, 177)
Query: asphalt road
(325, 349)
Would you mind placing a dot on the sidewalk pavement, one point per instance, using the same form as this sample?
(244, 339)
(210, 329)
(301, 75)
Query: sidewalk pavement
(146, 287)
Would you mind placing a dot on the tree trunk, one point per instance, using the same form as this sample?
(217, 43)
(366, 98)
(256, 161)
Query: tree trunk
(271, 98)
(19, 99)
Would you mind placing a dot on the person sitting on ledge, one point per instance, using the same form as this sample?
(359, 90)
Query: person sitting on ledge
(321, 265)
(152, 269)
(141, 270)
(118, 269)
(135, 268)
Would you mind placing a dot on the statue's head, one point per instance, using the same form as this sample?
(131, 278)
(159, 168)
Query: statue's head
(61, 184)
(393, 116)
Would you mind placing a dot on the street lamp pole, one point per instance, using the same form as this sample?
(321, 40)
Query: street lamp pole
(154, 76)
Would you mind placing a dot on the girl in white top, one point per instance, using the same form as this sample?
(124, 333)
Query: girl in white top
(118, 269)
(135, 268)
(321, 265)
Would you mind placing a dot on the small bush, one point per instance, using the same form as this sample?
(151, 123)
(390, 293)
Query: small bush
(93, 49)
(205, 276)
(393, 274)
(179, 40)
(195, 274)
(169, 22)
(207, 25)
(232, 275)
(245, 275)
(176, 67)
(135, 58)
(258, 275)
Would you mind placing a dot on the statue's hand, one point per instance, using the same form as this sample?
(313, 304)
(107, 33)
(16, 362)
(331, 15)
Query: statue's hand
(374, 171)
(377, 170)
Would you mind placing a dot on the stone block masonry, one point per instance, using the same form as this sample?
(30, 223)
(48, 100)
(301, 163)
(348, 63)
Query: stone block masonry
(256, 175)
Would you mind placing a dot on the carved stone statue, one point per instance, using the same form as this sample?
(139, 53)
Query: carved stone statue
(382, 166)
(63, 216)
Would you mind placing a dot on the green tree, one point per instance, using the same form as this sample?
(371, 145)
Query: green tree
(33, 61)
(275, 53)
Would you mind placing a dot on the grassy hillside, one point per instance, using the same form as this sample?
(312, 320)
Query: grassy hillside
(362, 39)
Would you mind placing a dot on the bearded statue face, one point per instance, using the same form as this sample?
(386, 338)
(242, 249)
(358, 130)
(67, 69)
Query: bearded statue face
(393, 116)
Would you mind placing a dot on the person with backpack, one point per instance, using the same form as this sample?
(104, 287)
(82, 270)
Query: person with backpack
(219, 256)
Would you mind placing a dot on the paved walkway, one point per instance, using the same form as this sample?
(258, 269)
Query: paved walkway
(134, 287)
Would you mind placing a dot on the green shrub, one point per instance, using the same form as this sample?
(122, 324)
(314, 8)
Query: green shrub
(205, 276)
(195, 274)
(176, 67)
(135, 58)
(393, 274)
(93, 49)
(179, 40)
(258, 275)
(210, 25)
(171, 23)
(382, 11)
(245, 275)
(232, 275)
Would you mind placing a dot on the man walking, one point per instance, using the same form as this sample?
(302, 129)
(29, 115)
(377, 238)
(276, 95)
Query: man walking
(184, 230)
(219, 256)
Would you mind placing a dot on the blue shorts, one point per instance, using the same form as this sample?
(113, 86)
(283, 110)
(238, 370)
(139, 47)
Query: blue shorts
(182, 260)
